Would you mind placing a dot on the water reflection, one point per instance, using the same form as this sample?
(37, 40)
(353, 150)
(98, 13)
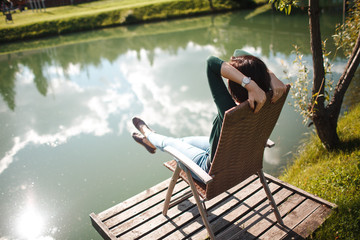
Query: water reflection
(32, 221)
(30, 224)
(66, 111)
(223, 32)
(77, 106)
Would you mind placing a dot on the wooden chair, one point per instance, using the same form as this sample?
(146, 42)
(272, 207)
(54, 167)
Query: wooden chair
(239, 155)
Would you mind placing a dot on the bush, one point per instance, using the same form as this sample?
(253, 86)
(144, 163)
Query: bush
(347, 33)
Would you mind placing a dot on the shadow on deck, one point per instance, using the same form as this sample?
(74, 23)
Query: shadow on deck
(242, 212)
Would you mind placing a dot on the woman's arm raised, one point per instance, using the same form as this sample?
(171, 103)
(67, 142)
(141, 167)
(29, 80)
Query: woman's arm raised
(256, 94)
(278, 87)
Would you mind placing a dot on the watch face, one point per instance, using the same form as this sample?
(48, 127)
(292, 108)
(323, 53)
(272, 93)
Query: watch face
(245, 81)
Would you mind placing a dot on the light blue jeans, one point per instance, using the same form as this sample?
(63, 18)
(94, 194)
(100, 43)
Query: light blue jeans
(197, 148)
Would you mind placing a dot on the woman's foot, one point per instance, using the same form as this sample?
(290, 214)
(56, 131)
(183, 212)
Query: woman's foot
(141, 126)
(144, 142)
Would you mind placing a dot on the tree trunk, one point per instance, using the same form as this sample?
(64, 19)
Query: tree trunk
(211, 5)
(324, 127)
(344, 82)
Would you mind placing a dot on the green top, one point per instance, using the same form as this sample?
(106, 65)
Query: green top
(221, 96)
(222, 99)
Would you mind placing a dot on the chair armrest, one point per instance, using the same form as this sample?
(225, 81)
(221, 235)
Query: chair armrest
(189, 164)
(269, 143)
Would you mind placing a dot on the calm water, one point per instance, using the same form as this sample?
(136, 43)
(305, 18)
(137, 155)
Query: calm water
(66, 112)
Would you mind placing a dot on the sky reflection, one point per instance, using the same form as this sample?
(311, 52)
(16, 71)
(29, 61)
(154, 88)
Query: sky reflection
(69, 110)
(97, 102)
(31, 222)
(77, 105)
(167, 100)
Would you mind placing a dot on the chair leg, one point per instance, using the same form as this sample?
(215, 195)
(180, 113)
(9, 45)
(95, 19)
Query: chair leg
(270, 197)
(170, 190)
(204, 206)
(199, 205)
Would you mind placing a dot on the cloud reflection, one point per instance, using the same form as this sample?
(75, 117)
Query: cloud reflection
(82, 102)
(164, 99)
(70, 110)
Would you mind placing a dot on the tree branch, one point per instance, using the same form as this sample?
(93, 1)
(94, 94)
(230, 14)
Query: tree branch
(344, 81)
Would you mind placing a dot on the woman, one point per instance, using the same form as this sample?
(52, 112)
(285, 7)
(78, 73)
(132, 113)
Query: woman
(248, 80)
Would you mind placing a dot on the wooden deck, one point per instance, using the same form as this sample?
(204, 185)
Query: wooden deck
(243, 212)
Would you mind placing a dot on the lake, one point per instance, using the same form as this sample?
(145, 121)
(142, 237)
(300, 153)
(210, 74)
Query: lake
(67, 103)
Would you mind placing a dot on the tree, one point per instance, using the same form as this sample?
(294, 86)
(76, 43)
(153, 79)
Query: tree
(324, 117)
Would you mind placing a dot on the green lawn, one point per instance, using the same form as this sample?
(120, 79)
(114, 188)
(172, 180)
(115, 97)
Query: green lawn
(334, 176)
(106, 13)
(29, 17)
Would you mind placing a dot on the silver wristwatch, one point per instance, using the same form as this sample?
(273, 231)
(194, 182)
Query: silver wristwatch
(245, 81)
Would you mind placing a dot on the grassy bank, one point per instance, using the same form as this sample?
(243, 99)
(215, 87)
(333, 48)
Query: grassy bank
(334, 176)
(106, 13)
(189, 24)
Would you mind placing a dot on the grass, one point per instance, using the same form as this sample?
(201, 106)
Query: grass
(334, 176)
(55, 13)
(108, 33)
(106, 13)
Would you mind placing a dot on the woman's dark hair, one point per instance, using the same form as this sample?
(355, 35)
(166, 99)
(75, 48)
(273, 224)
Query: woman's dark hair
(251, 67)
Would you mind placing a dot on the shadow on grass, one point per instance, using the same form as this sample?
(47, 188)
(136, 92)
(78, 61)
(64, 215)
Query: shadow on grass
(350, 145)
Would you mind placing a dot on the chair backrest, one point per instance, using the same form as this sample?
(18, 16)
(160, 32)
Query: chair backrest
(241, 145)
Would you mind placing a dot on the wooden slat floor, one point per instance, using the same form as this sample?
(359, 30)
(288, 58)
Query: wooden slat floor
(243, 212)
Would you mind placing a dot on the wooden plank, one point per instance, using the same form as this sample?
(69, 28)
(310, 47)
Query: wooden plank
(187, 216)
(300, 191)
(142, 206)
(227, 215)
(144, 217)
(243, 212)
(101, 228)
(260, 219)
(292, 219)
(133, 200)
(177, 217)
(310, 224)
(251, 222)
(187, 230)
(152, 222)
(267, 223)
